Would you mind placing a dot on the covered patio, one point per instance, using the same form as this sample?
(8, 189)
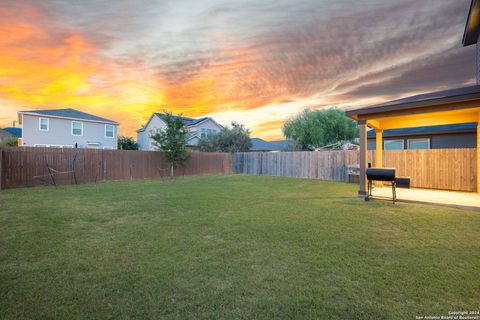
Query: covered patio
(456, 199)
(455, 106)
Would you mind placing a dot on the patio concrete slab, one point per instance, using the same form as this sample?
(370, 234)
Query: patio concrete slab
(463, 200)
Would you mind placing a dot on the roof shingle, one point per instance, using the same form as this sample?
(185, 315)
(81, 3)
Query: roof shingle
(17, 132)
(69, 113)
(186, 121)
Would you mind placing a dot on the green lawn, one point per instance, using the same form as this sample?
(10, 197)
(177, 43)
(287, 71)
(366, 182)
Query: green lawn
(231, 247)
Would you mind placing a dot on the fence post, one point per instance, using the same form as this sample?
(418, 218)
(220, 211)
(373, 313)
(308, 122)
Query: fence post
(130, 164)
(104, 166)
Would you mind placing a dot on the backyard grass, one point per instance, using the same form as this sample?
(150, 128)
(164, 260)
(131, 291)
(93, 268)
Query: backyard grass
(231, 247)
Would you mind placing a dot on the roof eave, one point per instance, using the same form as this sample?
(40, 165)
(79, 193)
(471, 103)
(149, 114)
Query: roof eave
(194, 136)
(357, 113)
(472, 27)
(427, 133)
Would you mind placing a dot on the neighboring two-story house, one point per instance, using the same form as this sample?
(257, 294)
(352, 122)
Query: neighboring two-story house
(197, 128)
(67, 128)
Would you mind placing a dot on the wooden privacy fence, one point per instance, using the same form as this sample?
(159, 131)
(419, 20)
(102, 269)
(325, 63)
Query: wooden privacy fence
(26, 166)
(325, 165)
(448, 169)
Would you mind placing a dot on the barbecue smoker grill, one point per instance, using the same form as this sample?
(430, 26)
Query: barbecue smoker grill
(381, 174)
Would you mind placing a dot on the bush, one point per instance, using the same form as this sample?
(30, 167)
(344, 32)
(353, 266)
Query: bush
(9, 142)
(230, 139)
(127, 143)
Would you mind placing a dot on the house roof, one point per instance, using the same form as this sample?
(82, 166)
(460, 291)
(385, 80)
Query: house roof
(17, 132)
(421, 100)
(69, 114)
(186, 121)
(472, 27)
(442, 129)
(4, 133)
(262, 145)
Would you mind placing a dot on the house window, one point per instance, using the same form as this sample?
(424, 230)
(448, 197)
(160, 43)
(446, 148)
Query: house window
(77, 128)
(109, 131)
(43, 124)
(203, 132)
(393, 145)
(418, 143)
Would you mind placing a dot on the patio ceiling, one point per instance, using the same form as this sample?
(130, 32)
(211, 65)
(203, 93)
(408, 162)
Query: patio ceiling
(413, 119)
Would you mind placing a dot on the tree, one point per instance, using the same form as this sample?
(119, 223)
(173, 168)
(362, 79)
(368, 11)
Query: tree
(9, 142)
(230, 139)
(172, 141)
(311, 129)
(127, 143)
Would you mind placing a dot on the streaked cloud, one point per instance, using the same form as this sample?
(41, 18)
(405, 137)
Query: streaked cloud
(258, 62)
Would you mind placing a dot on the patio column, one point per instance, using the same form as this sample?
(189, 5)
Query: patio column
(379, 148)
(363, 158)
(478, 154)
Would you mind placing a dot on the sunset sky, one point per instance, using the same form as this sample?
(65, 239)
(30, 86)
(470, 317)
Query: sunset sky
(256, 62)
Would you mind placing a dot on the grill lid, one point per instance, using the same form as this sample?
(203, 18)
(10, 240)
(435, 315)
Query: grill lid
(381, 174)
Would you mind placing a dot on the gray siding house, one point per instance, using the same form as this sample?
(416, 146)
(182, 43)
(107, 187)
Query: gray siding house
(197, 129)
(67, 128)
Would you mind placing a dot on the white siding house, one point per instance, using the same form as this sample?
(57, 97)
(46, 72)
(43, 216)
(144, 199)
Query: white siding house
(197, 128)
(67, 128)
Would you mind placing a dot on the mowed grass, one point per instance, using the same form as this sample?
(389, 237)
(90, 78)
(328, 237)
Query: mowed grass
(231, 247)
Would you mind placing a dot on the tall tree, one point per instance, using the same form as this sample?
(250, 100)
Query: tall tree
(311, 129)
(230, 139)
(127, 143)
(172, 141)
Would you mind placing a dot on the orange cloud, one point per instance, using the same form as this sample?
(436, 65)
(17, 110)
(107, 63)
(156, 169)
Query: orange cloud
(43, 65)
(269, 129)
(269, 126)
(40, 68)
